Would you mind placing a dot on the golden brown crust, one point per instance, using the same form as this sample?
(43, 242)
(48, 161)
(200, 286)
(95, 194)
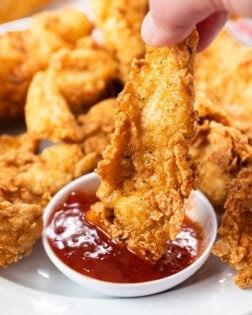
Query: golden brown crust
(223, 73)
(223, 146)
(219, 152)
(146, 173)
(20, 227)
(29, 177)
(235, 243)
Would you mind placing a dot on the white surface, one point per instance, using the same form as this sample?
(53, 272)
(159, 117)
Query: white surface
(200, 211)
(34, 286)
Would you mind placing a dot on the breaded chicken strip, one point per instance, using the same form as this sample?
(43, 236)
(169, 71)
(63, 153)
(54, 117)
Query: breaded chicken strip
(56, 166)
(120, 23)
(146, 173)
(20, 211)
(84, 75)
(47, 113)
(235, 244)
(23, 53)
(74, 80)
(223, 100)
(28, 180)
(20, 227)
(223, 72)
(69, 24)
(219, 152)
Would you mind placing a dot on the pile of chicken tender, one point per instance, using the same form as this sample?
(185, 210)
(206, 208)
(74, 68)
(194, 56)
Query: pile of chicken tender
(60, 79)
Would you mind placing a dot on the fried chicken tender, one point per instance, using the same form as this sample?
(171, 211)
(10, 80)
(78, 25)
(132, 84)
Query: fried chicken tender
(235, 243)
(146, 175)
(84, 75)
(23, 53)
(74, 80)
(68, 23)
(223, 97)
(219, 152)
(56, 166)
(20, 214)
(15, 148)
(223, 147)
(28, 180)
(47, 113)
(20, 227)
(120, 23)
(29, 177)
(223, 72)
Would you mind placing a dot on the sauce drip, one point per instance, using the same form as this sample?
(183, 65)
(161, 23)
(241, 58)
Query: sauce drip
(88, 250)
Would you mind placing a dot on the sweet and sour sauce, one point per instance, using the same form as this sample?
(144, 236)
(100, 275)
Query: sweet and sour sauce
(90, 251)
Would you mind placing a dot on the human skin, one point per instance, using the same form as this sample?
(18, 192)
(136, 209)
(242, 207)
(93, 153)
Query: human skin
(169, 21)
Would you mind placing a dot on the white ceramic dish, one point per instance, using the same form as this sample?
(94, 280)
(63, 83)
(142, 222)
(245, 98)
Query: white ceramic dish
(34, 286)
(200, 211)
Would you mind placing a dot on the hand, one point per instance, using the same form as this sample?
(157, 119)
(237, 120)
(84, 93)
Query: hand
(170, 21)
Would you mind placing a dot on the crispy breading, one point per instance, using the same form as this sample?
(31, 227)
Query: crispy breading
(47, 113)
(84, 75)
(68, 23)
(223, 96)
(223, 72)
(28, 180)
(23, 53)
(223, 146)
(20, 214)
(120, 23)
(219, 152)
(29, 177)
(20, 227)
(98, 125)
(20, 147)
(74, 80)
(56, 166)
(146, 175)
(235, 243)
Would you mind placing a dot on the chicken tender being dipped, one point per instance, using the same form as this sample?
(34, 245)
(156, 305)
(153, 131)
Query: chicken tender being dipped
(146, 174)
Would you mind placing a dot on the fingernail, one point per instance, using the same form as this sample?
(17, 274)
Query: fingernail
(154, 35)
(148, 30)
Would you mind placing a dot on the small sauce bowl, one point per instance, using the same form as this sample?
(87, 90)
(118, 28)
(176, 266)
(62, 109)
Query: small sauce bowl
(199, 210)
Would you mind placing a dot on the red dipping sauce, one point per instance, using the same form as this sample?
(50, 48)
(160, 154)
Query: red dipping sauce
(89, 251)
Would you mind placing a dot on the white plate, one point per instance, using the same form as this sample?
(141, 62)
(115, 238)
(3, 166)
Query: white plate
(34, 286)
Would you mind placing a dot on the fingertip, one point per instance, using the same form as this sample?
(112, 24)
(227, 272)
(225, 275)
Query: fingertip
(156, 36)
(209, 28)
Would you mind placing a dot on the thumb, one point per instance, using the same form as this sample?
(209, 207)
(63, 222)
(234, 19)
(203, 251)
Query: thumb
(170, 21)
